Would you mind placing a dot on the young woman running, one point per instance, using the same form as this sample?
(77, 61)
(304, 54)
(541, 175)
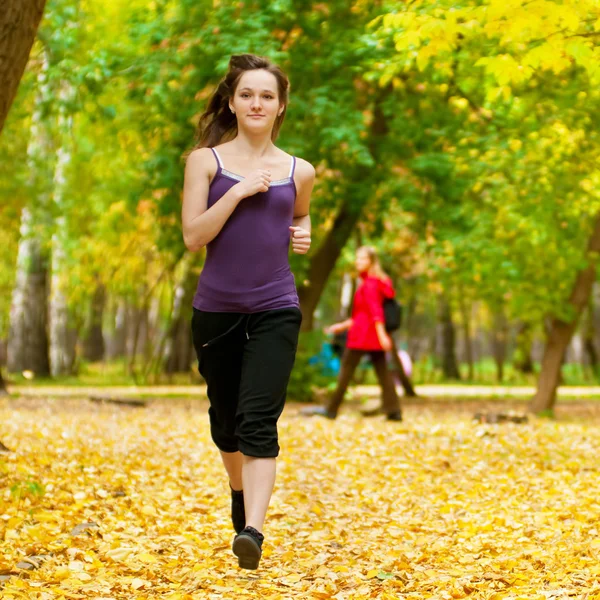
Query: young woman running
(245, 200)
(366, 335)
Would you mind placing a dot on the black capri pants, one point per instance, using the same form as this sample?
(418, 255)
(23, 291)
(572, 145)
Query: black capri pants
(246, 361)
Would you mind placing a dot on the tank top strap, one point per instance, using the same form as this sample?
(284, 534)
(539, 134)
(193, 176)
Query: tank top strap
(292, 168)
(218, 159)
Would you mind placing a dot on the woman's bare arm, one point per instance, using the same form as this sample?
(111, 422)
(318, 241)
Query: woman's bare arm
(201, 225)
(301, 227)
(305, 178)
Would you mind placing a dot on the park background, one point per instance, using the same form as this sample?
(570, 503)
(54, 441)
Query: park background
(460, 138)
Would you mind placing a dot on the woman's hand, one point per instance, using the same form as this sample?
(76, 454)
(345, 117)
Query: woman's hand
(382, 335)
(258, 181)
(338, 327)
(386, 343)
(300, 240)
(331, 330)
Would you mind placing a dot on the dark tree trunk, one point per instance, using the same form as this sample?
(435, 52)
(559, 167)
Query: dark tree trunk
(499, 343)
(178, 349)
(588, 340)
(137, 318)
(93, 344)
(415, 336)
(19, 22)
(524, 342)
(448, 340)
(466, 322)
(3, 390)
(561, 332)
(595, 316)
(324, 259)
(180, 359)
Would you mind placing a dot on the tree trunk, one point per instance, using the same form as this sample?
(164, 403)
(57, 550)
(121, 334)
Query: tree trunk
(63, 336)
(499, 343)
(93, 343)
(177, 356)
(416, 337)
(154, 328)
(588, 340)
(142, 318)
(324, 259)
(19, 22)
(346, 295)
(28, 338)
(135, 319)
(561, 332)
(117, 340)
(180, 360)
(592, 355)
(27, 347)
(448, 337)
(466, 322)
(524, 341)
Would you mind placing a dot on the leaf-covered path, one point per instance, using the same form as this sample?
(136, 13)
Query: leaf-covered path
(426, 391)
(436, 507)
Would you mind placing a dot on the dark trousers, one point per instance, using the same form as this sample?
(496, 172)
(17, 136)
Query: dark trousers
(246, 361)
(350, 360)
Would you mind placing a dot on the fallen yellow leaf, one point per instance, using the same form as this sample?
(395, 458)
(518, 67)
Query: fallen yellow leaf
(147, 558)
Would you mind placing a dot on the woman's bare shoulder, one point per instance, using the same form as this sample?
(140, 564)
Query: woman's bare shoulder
(304, 169)
(200, 155)
(202, 160)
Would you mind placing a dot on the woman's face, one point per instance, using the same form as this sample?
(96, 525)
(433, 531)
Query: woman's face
(362, 261)
(256, 101)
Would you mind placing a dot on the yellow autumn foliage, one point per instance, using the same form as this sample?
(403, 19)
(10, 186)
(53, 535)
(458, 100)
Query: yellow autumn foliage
(437, 507)
(510, 39)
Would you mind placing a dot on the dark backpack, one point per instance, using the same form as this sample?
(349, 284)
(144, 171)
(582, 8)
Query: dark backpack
(392, 314)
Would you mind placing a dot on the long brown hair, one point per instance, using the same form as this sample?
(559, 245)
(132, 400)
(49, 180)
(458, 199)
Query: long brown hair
(375, 268)
(218, 123)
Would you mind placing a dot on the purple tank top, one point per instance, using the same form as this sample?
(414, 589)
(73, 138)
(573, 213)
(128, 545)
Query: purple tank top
(247, 266)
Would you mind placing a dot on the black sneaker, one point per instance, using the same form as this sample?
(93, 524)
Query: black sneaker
(238, 512)
(317, 411)
(394, 416)
(247, 546)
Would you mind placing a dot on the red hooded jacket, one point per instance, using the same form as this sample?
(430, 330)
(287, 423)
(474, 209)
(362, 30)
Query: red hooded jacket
(367, 309)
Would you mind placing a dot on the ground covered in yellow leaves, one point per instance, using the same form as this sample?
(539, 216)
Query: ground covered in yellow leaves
(132, 503)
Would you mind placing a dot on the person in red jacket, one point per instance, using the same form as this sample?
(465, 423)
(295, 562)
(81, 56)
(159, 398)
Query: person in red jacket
(366, 335)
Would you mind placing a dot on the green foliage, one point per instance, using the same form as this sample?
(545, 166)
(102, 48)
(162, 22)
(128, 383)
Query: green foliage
(464, 135)
(501, 156)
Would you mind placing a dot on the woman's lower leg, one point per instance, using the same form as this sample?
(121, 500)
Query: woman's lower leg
(258, 476)
(233, 462)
